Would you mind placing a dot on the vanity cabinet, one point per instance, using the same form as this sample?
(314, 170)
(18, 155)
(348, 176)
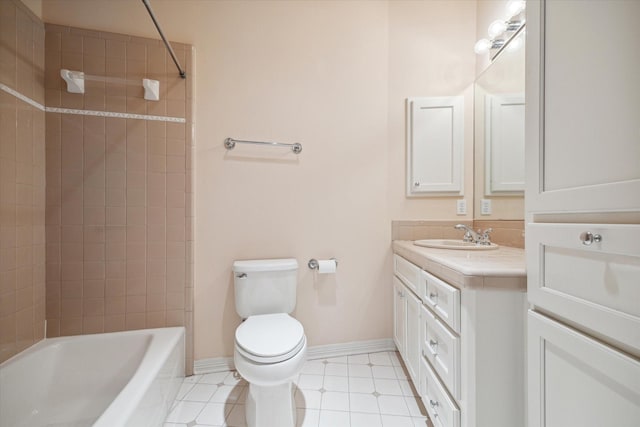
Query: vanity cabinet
(463, 347)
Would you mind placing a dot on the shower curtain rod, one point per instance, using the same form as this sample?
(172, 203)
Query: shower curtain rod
(183, 74)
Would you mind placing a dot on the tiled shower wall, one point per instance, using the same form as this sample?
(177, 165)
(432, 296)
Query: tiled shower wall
(22, 179)
(118, 205)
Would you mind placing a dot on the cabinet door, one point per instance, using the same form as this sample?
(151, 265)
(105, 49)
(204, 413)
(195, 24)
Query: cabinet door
(583, 105)
(399, 315)
(595, 285)
(577, 381)
(412, 343)
(435, 146)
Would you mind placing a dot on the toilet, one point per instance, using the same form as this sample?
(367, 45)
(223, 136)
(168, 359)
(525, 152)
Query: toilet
(270, 345)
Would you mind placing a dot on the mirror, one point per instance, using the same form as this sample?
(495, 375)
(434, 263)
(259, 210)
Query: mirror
(499, 135)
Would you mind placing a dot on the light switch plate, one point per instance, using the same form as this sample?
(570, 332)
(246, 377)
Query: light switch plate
(485, 207)
(461, 207)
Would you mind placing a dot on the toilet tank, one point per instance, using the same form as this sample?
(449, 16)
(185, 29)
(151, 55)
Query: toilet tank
(265, 286)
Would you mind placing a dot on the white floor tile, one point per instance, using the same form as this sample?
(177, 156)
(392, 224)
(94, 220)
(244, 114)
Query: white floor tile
(405, 385)
(387, 372)
(185, 387)
(309, 399)
(185, 412)
(395, 421)
(332, 383)
(360, 371)
(385, 386)
(214, 378)
(192, 379)
(307, 418)
(393, 405)
(335, 401)
(213, 414)
(336, 369)
(310, 382)
(400, 373)
(382, 359)
(201, 393)
(227, 394)
(234, 378)
(339, 359)
(361, 402)
(395, 358)
(338, 393)
(365, 420)
(314, 367)
(358, 359)
(236, 417)
(416, 409)
(361, 385)
(420, 422)
(334, 419)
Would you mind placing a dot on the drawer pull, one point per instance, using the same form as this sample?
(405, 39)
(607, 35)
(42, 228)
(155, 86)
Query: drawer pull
(587, 238)
(433, 403)
(433, 296)
(434, 347)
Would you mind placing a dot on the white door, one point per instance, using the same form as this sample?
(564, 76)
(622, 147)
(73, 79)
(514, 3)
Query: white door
(583, 106)
(399, 315)
(413, 340)
(577, 381)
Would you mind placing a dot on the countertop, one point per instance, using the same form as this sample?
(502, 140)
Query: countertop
(502, 268)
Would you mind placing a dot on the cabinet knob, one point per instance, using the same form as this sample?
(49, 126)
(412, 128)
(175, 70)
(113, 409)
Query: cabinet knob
(433, 295)
(588, 238)
(416, 184)
(434, 347)
(433, 403)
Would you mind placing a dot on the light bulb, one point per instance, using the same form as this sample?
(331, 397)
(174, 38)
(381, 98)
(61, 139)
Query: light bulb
(515, 7)
(496, 28)
(482, 46)
(514, 44)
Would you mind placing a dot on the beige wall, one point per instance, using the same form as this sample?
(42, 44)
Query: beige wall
(22, 180)
(332, 76)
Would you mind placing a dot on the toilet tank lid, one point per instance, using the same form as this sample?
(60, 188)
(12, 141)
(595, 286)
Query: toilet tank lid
(253, 265)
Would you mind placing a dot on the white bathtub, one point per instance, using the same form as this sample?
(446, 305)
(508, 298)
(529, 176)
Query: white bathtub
(103, 380)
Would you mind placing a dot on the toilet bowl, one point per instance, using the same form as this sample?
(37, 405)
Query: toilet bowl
(270, 345)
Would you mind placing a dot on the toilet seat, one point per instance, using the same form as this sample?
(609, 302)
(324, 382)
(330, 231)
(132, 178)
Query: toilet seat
(270, 338)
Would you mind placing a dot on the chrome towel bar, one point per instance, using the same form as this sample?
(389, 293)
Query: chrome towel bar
(230, 143)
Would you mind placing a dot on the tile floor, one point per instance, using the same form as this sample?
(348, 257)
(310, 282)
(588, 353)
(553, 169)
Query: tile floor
(367, 390)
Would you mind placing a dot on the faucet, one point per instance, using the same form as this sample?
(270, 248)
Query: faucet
(479, 237)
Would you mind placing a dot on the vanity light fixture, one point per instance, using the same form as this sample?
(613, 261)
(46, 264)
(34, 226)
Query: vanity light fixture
(501, 26)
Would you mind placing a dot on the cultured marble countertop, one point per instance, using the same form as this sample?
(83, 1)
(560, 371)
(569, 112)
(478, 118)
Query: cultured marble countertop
(502, 268)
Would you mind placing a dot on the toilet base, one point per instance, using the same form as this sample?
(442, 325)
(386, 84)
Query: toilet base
(271, 406)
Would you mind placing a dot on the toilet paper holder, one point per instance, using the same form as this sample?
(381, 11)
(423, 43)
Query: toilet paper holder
(313, 263)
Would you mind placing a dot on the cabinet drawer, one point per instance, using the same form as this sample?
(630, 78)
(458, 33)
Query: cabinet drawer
(441, 348)
(443, 299)
(593, 285)
(441, 408)
(407, 272)
(577, 381)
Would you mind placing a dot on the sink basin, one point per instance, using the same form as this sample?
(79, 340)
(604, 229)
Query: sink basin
(454, 244)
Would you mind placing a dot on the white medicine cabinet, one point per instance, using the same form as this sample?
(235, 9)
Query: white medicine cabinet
(435, 146)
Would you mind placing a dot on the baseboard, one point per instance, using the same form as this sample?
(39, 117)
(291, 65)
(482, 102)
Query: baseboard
(217, 364)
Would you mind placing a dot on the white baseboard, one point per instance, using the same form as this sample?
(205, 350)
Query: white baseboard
(218, 364)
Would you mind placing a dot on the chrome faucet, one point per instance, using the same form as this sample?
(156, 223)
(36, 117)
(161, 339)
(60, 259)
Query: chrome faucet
(479, 237)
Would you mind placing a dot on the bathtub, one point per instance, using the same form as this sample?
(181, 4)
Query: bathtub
(102, 380)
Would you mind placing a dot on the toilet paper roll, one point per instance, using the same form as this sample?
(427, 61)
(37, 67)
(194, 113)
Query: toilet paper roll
(326, 266)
